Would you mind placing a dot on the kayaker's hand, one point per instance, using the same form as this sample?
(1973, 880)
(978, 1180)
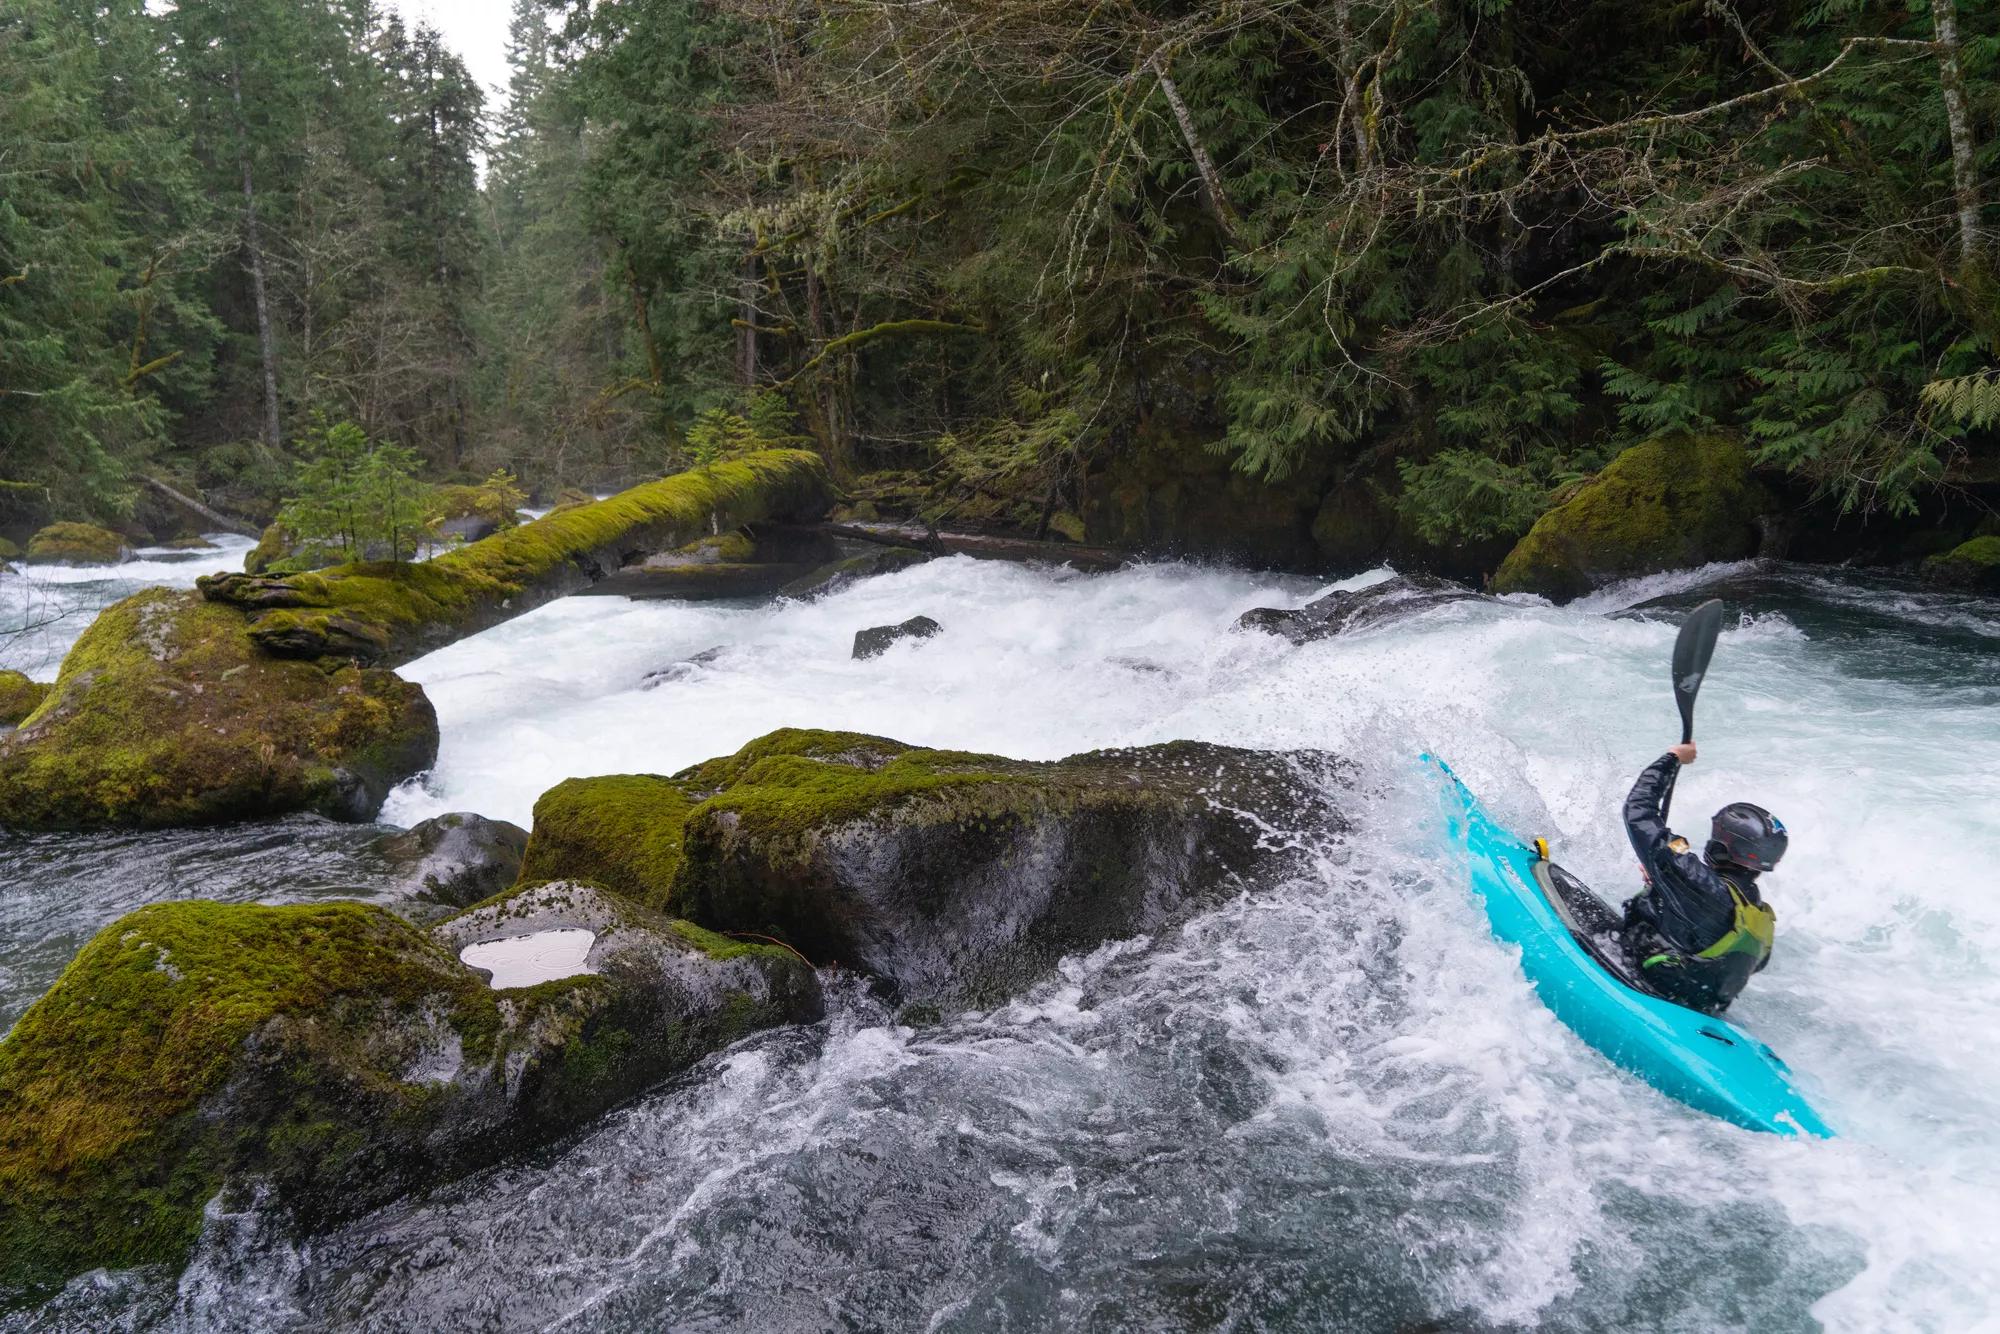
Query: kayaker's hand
(1683, 752)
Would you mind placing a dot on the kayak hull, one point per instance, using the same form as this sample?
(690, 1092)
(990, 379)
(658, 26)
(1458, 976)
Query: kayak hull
(1703, 1061)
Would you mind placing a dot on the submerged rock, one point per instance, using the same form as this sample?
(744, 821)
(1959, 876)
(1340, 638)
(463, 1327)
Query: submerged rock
(335, 1055)
(682, 670)
(1973, 565)
(19, 697)
(1355, 609)
(1665, 504)
(76, 544)
(830, 579)
(875, 642)
(946, 875)
(456, 860)
(166, 713)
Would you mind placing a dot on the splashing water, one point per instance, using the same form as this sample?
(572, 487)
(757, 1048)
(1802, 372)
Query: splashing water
(44, 609)
(1332, 1102)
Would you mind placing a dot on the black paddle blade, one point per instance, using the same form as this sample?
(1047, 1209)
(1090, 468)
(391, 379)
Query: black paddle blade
(1692, 651)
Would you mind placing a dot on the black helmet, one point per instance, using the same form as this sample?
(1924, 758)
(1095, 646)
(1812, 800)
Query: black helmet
(1748, 836)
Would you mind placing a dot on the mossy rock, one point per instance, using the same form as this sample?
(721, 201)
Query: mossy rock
(192, 543)
(335, 1055)
(943, 874)
(9, 550)
(165, 713)
(277, 551)
(1973, 565)
(1668, 503)
(19, 697)
(391, 613)
(472, 512)
(76, 544)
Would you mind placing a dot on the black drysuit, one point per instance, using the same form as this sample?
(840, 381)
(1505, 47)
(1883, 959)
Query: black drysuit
(1686, 906)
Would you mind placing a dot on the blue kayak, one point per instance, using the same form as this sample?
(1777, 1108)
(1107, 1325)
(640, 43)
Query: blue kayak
(1705, 1062)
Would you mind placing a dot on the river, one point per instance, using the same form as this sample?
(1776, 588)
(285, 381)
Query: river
(1332, 1102)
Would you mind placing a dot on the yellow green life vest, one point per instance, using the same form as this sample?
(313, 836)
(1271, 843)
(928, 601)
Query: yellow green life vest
(1756, 926)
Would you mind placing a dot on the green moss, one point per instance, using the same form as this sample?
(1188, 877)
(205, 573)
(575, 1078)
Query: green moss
(104, 1156)
(623, 832)
(165, 713)
(1664, 504)
(493, 504)
(420, 607)
(1973, 565)
(9, 550)
(76, 544)
(19, 697)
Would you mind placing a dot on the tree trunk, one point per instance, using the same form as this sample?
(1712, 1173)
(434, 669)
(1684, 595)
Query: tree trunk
(267, 349)
(746, 327)
(1204, 165)
(1958, 118)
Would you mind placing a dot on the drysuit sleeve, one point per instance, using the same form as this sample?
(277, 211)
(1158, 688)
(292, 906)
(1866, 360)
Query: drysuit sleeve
(1644, 824)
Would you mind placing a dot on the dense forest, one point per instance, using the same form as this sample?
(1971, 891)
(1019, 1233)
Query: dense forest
(1458, 254)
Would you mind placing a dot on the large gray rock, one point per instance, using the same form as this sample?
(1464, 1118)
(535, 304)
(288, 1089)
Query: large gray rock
(946, 876)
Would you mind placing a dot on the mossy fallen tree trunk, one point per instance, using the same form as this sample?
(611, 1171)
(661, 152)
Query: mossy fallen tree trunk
(947, 876)
(259, 697)
(388, 614)
(336, 1056)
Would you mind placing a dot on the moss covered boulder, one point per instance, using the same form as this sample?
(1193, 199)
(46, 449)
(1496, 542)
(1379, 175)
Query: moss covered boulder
(76, 544)
(1973, 565)
(19, 697)
(166, 713)
(945, 875)
(335, 1055)
(1665, 504)
(467, 513)
(390, 613)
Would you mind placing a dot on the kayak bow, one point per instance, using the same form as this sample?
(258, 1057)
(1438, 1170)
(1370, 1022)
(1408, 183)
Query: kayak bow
(1703, 1061)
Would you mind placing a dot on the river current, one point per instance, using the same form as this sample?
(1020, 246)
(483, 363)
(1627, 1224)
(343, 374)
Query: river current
(1330, 1103)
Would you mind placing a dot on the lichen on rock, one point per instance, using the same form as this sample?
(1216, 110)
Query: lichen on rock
(165, 713)
(335, 1055)
(1667, 503)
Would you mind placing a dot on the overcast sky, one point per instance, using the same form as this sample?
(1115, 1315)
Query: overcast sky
(477, 30)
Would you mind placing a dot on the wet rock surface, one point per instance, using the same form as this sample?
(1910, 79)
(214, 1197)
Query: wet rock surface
(1355, 609)
(455, 860)
(335, 1056)
(873, 643)
(941, 874)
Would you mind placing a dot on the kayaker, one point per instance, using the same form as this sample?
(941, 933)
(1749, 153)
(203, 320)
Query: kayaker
(1699, 929)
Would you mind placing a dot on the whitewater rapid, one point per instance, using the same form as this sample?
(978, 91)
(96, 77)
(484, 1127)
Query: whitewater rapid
(1331, 1103)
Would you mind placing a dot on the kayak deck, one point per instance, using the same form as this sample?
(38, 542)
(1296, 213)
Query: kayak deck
(1701, 1060)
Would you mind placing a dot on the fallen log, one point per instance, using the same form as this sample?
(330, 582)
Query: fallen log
(387, 614)
(222, 522)
(981, 546)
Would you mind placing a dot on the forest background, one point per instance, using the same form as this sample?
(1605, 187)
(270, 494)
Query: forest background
(1456, 255)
